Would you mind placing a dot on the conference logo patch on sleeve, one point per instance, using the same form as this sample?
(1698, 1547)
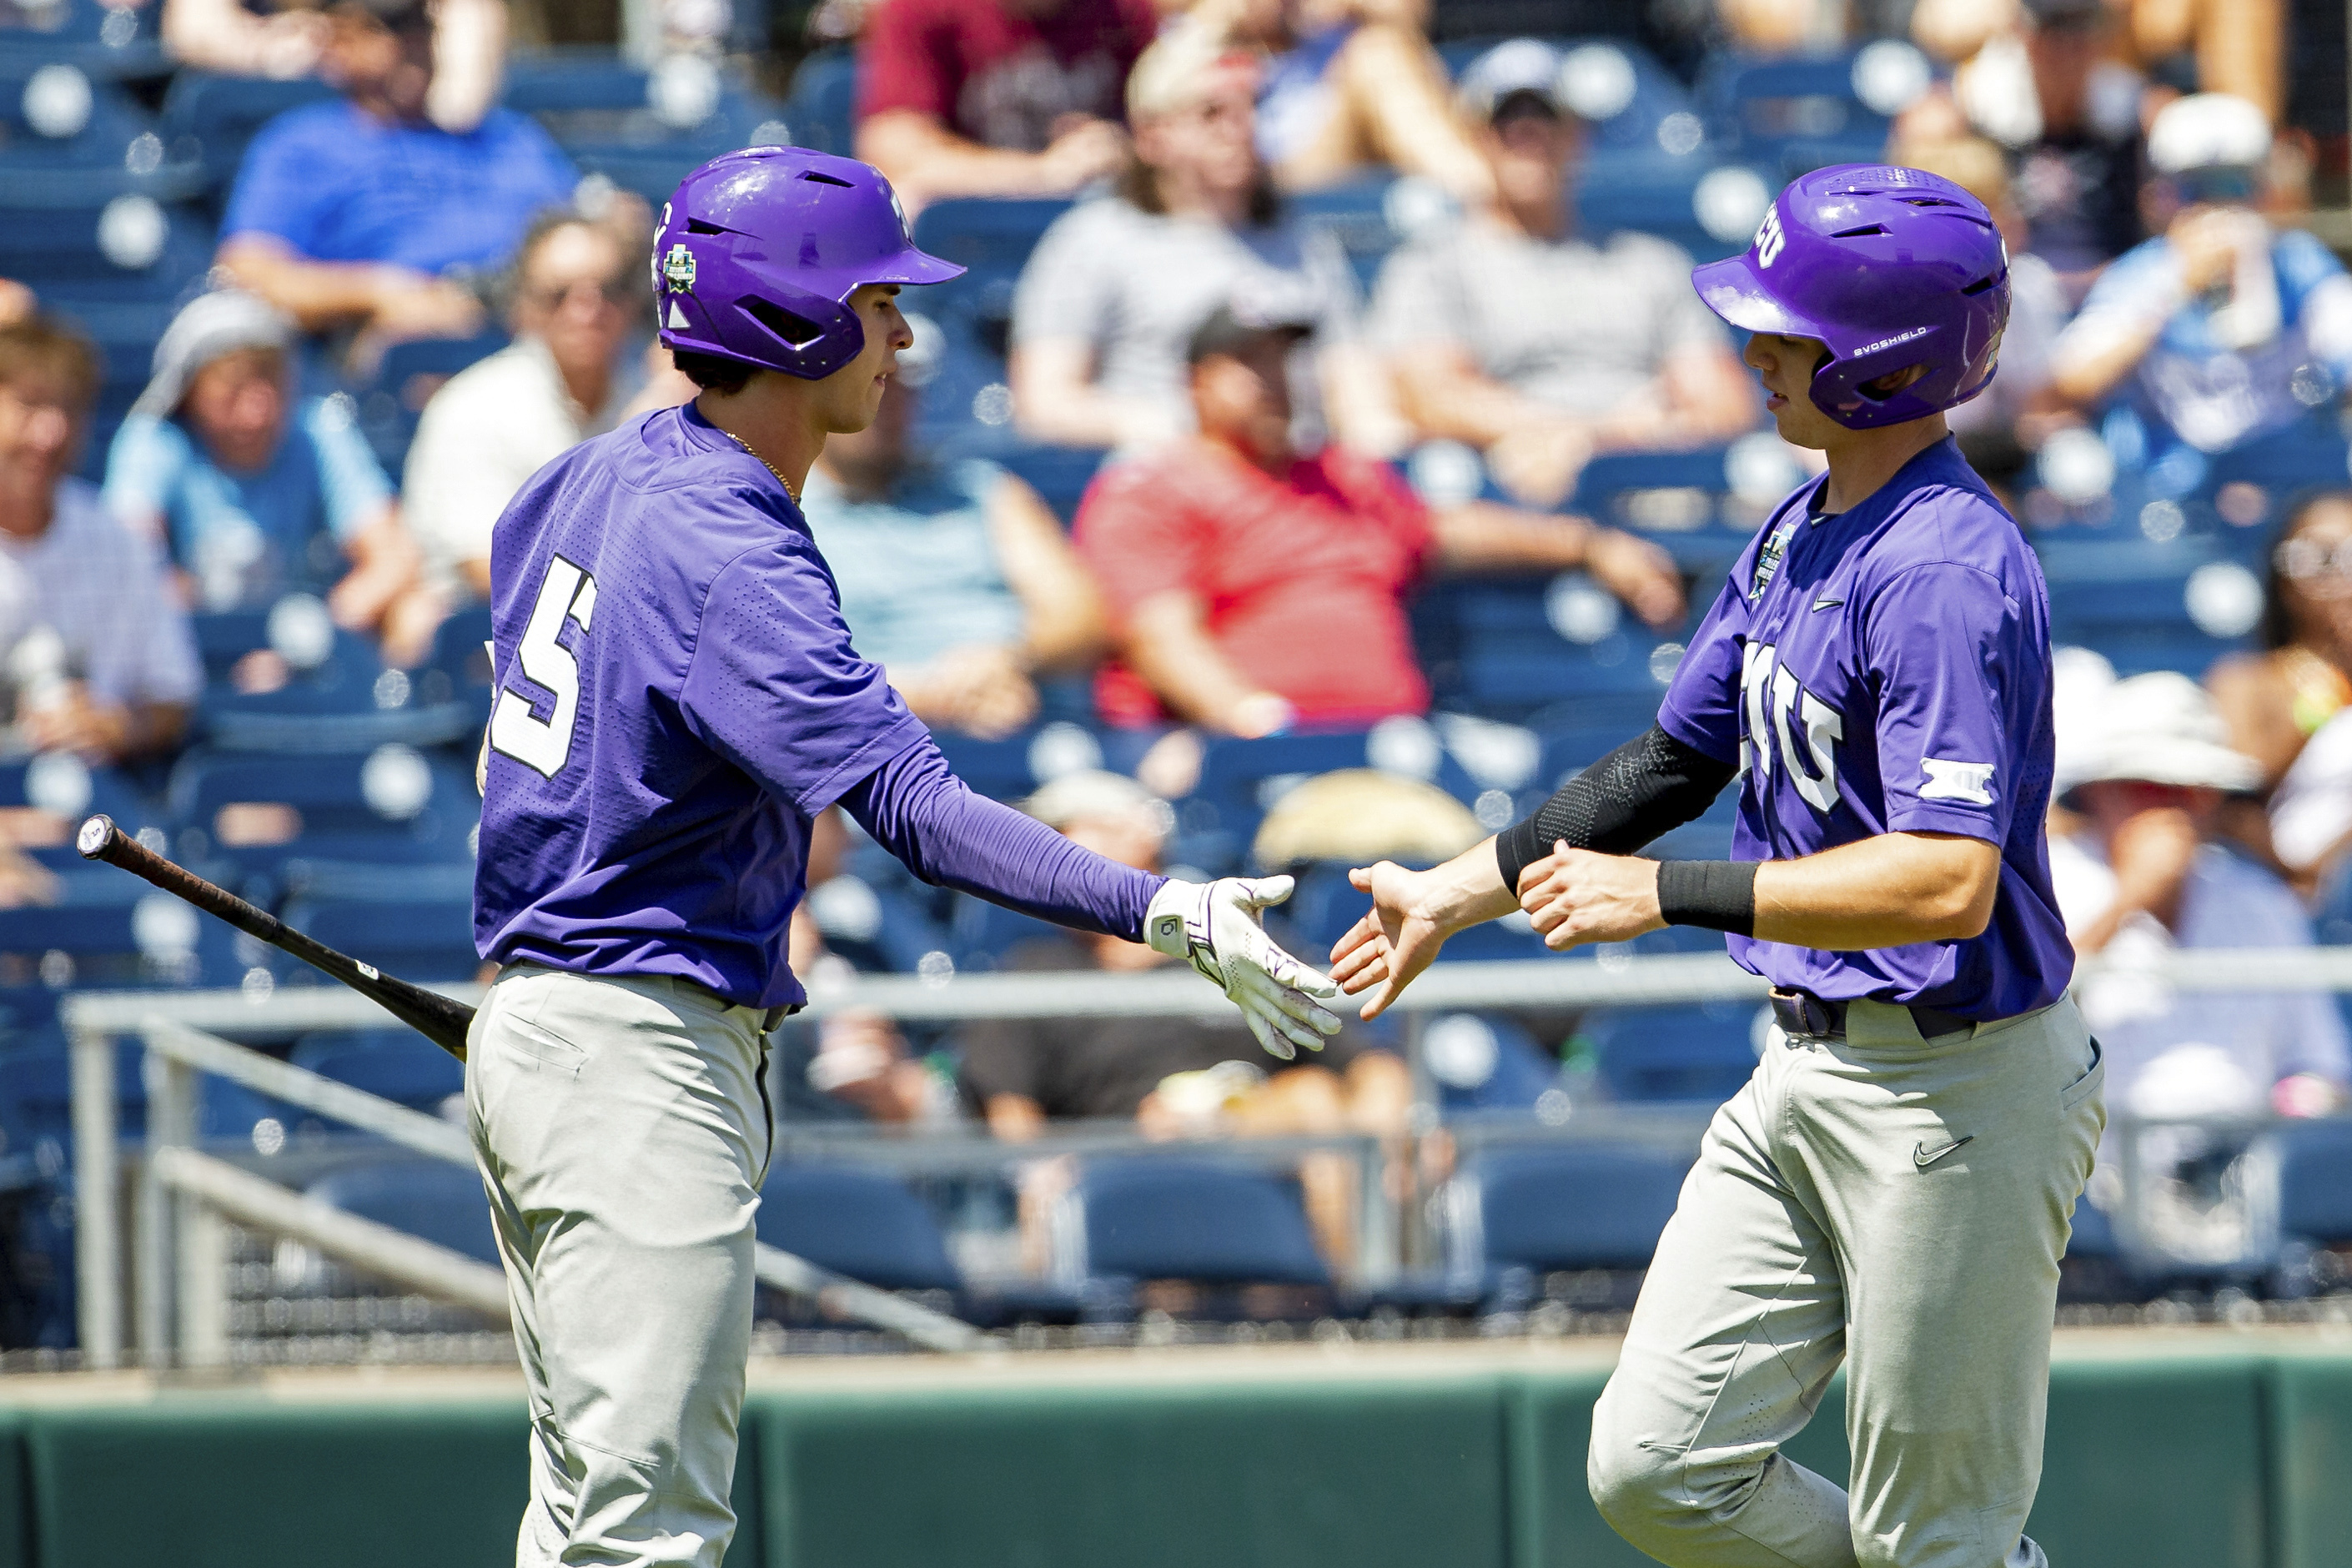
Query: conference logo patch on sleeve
(1969, 781)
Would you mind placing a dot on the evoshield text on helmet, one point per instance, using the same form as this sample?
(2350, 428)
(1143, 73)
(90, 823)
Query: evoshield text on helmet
(759, 251)
(1890, 267)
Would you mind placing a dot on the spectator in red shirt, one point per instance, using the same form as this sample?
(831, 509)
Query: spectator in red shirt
(1255, 587)
(997, 97)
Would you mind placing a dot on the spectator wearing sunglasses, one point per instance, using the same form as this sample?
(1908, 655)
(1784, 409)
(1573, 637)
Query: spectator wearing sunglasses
(2220, 329)
(577, 299)
(2289, 707)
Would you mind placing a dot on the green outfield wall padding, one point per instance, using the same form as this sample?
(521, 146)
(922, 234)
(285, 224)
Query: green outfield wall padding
(229, 1482)
(16, 1500)
(2146, 1464)
(1392, 1473)
(2310, 1462)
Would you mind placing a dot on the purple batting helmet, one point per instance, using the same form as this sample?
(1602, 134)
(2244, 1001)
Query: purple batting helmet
(1891, 267)
(758, 252)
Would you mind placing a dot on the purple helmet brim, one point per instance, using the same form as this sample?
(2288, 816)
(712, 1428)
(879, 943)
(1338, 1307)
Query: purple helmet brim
(1733, 289)
(915, 266)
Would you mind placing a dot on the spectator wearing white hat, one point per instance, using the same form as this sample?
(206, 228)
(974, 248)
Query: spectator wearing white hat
(238, 477)
(2141, 877)
(1539, 345)
(955, 577)
(2221, 329)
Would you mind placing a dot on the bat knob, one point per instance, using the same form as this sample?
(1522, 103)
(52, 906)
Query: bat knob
(95, 835)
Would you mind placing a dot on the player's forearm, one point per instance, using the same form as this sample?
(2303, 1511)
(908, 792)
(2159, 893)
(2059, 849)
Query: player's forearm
(1646, 788)
(1884, 891)
(1467, 891)
(917, 808)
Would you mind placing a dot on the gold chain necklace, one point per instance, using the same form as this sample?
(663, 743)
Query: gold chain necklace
(769, 466)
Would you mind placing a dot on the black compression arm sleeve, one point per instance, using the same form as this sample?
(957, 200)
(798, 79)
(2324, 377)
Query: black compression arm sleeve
(1648, 787)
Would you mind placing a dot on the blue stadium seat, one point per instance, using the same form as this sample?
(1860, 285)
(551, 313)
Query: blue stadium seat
(430, 1199)
(398, 1065)
(1175, 1219)
(79, 258)
(2128, 599)
(331, 791)
(822, 109)
(67, 786)
(1492, 649)
(36, 1094)
(152, 939)
(1562, 1207)
(2095, 1234)
(2315, 1177)
(1795, 113)
(108, 148)
(217, 116)
(1700, 1052)
(417, 939)
(984, 933)
(104, 41)
(861, 1223)
(1059, 475)
(552, 80)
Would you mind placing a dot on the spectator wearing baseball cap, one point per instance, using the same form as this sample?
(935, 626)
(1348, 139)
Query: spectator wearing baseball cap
(1116, 285)
(1537, 345)
(363, 212)
(2144, 766)
(238, 477)
(954, 577)
(2222, 329)
(1256, 583)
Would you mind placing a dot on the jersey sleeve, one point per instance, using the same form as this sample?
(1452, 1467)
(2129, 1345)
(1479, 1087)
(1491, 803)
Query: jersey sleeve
(1702, 705)
(1948, 649)
(143, 466)
(351, 481)
(773, 686)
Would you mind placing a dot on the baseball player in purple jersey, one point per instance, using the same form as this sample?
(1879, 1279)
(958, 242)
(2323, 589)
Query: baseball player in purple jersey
(1893, 1187)
(677, 700)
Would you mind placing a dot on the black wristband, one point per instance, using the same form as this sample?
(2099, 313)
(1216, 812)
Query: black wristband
(1719, 895)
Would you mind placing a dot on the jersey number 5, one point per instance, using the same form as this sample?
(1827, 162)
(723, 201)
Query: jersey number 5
(516, 731)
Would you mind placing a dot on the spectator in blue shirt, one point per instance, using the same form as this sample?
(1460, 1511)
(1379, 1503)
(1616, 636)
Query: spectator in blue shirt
(361, 212)
(242, 482)
(2220, 329)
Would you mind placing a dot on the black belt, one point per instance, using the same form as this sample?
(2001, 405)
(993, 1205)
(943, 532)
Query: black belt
(1818, 1018)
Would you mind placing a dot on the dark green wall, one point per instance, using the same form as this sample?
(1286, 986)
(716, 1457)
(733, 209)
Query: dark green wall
(2227, 1461)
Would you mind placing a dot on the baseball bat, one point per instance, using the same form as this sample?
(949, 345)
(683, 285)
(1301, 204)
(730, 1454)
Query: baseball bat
(431, 1014)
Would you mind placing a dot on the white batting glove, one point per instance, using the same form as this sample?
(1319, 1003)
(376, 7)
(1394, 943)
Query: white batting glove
(1215, 929)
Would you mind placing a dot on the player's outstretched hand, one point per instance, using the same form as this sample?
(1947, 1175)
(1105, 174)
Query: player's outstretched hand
(1575, 895)
(1215, 929)
(1393, 943)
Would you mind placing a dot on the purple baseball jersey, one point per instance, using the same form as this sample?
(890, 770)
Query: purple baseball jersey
(1887, 670)
(677, 700)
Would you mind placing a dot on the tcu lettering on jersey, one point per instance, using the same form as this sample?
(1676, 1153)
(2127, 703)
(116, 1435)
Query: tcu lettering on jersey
(1771, 696)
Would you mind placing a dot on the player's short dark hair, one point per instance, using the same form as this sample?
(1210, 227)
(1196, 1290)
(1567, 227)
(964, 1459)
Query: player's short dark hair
(42, 341)
(713, 372)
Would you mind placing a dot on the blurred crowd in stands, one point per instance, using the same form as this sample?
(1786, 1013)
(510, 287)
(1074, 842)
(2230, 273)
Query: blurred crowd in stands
(1320, 461)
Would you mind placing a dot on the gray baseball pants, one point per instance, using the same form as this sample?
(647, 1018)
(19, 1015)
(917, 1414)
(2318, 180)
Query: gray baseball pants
(1830, 1219)
(623, 1136)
